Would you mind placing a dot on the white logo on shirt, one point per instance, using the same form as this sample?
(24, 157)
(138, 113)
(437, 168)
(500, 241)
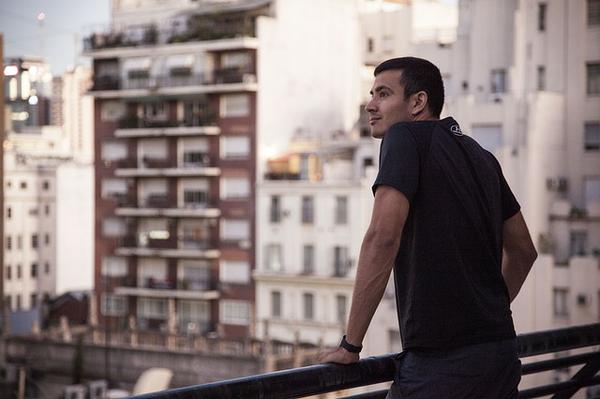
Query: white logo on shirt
(455, 129)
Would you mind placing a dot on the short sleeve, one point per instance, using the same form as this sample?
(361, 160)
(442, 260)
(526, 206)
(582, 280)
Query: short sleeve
(510, 205)
(398, 162)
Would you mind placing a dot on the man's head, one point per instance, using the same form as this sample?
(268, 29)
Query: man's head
(405, 89)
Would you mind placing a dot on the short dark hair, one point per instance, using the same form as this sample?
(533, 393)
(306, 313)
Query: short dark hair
(418, 75)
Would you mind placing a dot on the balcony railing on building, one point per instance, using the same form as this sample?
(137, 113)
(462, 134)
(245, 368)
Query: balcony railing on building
(207, 118)
(199, 28)
(230, 75)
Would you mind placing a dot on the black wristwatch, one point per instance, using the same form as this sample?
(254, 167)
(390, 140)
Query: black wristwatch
(349, 347)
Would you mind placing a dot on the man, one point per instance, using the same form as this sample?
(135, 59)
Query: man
(446, 221)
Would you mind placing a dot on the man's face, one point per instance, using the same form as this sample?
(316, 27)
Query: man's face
(387, 105)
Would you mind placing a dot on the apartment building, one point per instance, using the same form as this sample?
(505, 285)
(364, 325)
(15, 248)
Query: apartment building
(528, 90)
(188, 96)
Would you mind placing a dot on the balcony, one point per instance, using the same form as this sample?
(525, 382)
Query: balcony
(200, 28)
(218, 80)
(198, 165)
(166, 248)
(133, 126)
(167, 209)
(182, 289)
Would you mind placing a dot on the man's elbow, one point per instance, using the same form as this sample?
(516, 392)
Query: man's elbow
(382, 239)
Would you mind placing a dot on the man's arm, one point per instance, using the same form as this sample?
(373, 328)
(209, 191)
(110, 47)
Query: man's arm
(519, 253)
(375, 263)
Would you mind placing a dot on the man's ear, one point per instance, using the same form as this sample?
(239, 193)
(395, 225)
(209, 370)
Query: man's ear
(419, 102)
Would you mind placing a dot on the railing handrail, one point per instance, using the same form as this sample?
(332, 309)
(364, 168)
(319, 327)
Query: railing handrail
(322, 378)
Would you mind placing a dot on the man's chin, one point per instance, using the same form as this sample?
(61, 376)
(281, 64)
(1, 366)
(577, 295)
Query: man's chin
(377, 133)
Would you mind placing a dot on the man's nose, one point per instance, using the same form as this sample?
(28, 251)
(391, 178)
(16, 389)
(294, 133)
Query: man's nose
(370, 107)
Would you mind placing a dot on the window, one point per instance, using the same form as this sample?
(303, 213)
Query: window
(235, 188)
(112, 111)
(152, 308)
(113, 227)
(18, 302)
(488, 136)
(591, 133)
(8, 243)
(34, 270)
(341, 263)
(47, 239)
(542, 8)
(498, 81)
(341, 304)
(113, 188)
(19, 242)
(46, 185)
(47, 268)
(114, 305)
(308, 259)
(541, 77)
(308, 301)
(591, 190)
(308, 210)
(593, 12)
(341, 210)
(560, 301)
(273, 257)
(232, 229)
(275, 210)
(235, 147)
(19, 271)
(195, 198)
(34, 300)
(235, 312)
(194, 316)
(113, 151)
(46, 210)
(195, 159)
(578, 243)
(370, 45)
(235, 272)
(593, 77)
(276, 304)
(8, 301)
(8, 212)
(8, 272)
(234, 105)
(114, 266)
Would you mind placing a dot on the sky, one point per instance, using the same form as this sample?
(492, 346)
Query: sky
(59, 39)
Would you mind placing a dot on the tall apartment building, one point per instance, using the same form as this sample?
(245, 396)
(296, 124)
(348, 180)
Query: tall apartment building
(188, 96)
(529, 91)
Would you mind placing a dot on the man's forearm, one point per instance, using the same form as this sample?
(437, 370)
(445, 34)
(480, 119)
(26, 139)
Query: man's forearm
(375, 264)
(515, 270)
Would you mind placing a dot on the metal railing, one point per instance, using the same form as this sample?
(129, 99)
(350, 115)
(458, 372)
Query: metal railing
(323, 378)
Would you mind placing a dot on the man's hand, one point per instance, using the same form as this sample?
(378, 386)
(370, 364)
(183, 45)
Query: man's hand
(340, 356)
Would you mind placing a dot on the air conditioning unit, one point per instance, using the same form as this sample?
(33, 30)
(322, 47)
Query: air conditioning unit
(583, 299)
(75, 392)
(97, 389)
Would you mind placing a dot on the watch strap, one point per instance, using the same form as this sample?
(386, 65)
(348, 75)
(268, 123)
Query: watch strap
(349, 347)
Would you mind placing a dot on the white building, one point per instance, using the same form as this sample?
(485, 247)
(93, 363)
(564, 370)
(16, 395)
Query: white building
(309, 238)
(47, 214)
(529, 91)
(78, 113)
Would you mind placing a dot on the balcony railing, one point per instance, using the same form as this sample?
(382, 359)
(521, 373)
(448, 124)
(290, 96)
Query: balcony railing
(217, 76)
(197, 284)
(207, 118)
(158, 201)
(152, 162)
(323, 378)
(200, 29)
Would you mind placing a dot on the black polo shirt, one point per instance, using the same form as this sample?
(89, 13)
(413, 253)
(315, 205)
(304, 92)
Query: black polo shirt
(449, 286)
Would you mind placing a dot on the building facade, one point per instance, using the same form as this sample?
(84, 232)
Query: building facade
(185, 99)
